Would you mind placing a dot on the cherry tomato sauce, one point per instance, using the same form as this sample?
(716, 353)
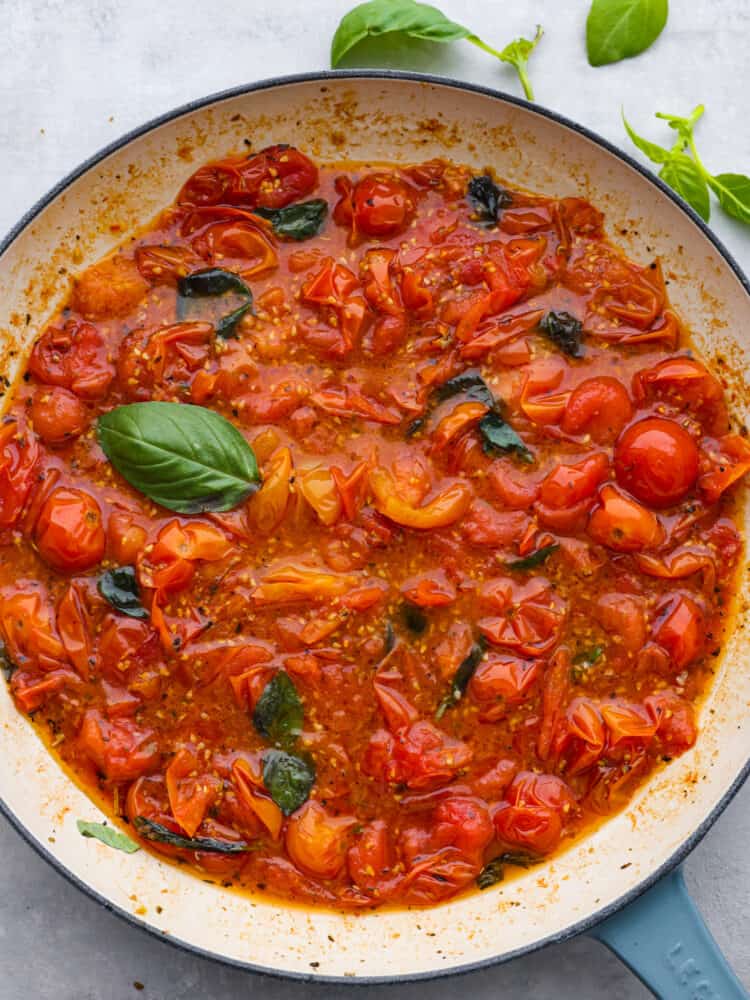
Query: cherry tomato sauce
(585, 571)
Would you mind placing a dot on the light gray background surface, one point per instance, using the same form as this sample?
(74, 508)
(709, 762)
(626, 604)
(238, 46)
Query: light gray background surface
(74, 75)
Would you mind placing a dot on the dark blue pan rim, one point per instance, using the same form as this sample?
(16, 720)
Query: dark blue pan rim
(580, 926)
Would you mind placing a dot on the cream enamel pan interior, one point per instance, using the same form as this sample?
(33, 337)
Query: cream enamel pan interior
(383, 117)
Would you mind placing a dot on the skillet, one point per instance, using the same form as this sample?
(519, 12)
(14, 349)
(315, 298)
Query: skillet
(620, 884)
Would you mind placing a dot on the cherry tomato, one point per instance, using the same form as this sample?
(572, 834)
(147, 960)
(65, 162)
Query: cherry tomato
(599, 407)
(382, 205)
(680, 629)
(58, 415)
(657, 461)
(317, 840)
(125, 538)
(120, 749)
(19, 458)
(75, 357)
(272, 178)
(113, 287)
(69, 533)
(622, 524)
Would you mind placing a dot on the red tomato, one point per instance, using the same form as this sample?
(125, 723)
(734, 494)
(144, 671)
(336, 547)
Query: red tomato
(680, 629)
(675, 720)
(75, 357)
(687, 385)
(58, 415)
(599, 407)
(462, 822)
(500, 682)
(723, 463)
(536, 829)
(484, 525)
(120, 749)
(272, 178)
(371, 857)
(623, 615)
(156, 363)
(420, 756)
(517, 490)
(433, 591)
(530, 618)
(69, 533)
(28, 629)
(191, 792)
(317, 840)
(568, 485)
(379, 205)
(19, 457)
(125, 538)
(623, 524)
(657, 461)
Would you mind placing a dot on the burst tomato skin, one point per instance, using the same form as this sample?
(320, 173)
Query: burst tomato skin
(600, 407)
(58, 415)
(69, 533)
(657, 461)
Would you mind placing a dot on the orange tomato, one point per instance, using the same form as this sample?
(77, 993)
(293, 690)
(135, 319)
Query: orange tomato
(69, 533)
(622, 524)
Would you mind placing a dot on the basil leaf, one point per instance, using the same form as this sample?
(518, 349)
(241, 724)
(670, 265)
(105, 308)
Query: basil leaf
(288, 779)
(487, 199)
(414, 618)
(733, 192)
(461, 678)
(120, 587)
(494, 871)
(150, 830)
(278, 713)
(226, 327)
(535, 559)
(497, 435)
(684, 176)
(470, 383)
(209, 282)
(517, 54)
(186, 458)
(620, 29)
(563, 330)
(390, 638)
(108, 835)
(657, 154)
(588, 656)
(381, 17)
(296, 222)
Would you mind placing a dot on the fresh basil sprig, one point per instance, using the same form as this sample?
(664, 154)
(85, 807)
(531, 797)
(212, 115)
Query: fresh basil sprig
(108, 835)
(186, 458)
(425, 22)
(288, 779)
(278, 712)
(619, 29)
(296, 222)
(685, 172)
(119, 587)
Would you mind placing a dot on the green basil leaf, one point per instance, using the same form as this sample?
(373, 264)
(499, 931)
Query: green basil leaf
(288, 779)
(563, 330)
(461, 678)
(209, 282)
(469, 383)
(494, 871)
(119, 586)
(657, 154)
(108, 835)
(517, 54)
(278, 713)
(684, 176)
(535, 559)
(619, 29)
(186, 458)
(497, 435)
(381, 17)
(150, 830)
(487, 199)
(588, 657)
(296, 222)
(733, 192)
(226, 327)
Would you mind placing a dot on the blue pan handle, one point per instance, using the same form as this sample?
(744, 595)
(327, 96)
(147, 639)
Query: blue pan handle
(661, 936)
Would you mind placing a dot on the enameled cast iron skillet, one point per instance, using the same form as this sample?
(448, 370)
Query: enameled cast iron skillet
(621, 884)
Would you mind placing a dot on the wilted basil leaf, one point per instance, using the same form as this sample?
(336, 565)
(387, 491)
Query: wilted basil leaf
(534, 560)
(226, 327)
(497, 435)
(150, 830)
(494, 871)
(469, 383)
(461, 678)
(108, 835)
(296, 222)
(209, 282)
(563, 330)
(288, 779)
(487, 199)
(120, 587)
(278, 713)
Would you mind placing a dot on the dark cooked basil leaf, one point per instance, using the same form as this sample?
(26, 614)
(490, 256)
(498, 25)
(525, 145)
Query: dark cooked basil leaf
(7, 666)
(296, 222)
(487, 199)
(120, 587)
(494, 871)
(497, 435)
(469, 383)
(278, 713)
(186, 458)
(563, 330)
(414, 618)
(226, 327)
(461, 678)
(390, 638)
(209, 282)
(535, 559)
(288, 779)
(108, 835)
(150, 830)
